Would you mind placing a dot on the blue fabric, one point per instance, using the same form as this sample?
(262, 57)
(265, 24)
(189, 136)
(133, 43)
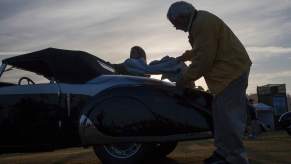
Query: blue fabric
(168, 67)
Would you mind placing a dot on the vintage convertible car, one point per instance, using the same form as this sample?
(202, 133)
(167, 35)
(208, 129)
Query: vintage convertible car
(60, 98)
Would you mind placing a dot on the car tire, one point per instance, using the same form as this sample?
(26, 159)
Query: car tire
(161, 150)
(289, 131)
(131, 153)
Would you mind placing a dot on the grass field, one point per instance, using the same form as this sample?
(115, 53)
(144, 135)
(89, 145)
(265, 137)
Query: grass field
(269, 148)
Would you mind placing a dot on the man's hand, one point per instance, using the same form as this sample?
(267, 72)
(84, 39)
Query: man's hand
(186, 56)
(183, 83)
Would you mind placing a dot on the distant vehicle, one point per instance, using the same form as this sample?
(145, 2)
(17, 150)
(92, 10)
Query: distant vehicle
(62, 98)
(285, 122)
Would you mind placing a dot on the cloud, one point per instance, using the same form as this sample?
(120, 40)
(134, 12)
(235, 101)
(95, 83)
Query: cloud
(270, 49)
(108, 29)
(261, 54)
(270, 65)
(259, 79)
(10, 53)
(4, 55)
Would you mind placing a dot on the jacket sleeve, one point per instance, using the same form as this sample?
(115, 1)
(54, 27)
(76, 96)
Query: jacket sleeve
(186, 56)
(204, 48)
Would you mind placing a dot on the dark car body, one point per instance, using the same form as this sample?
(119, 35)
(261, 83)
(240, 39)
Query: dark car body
(285, 121)
(46, 114)
(87, 103)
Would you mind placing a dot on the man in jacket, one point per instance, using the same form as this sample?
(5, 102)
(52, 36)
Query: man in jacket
(218, 56)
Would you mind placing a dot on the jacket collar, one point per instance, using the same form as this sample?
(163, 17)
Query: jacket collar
(193, 17)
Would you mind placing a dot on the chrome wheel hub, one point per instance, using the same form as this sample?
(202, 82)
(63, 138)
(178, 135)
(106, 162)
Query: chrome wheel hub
(122, 150)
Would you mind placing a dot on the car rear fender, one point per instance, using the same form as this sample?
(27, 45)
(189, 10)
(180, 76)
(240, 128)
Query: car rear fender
(140, 111)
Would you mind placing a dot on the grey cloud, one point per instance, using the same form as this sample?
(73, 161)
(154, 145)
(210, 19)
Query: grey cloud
(108, 28)
(270, 65)
(50, 26)
(264, 24)
(273, 64)
(10, 8)
(257, 23)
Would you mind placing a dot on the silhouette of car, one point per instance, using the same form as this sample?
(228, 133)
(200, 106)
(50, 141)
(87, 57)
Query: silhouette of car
(83, 102)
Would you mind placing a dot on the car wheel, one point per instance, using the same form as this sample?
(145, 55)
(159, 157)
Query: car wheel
(129, 153)
(164, 149)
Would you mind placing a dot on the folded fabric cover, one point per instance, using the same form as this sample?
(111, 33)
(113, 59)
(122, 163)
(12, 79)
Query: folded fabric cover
(169, 67)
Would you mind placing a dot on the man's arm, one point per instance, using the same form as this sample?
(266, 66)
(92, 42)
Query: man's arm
(204, 50)
(186, 56)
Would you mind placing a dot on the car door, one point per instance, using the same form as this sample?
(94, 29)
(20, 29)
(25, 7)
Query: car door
(29, 114)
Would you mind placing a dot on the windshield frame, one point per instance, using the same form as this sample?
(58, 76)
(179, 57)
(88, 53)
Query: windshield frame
(2, 69)
(106, 66)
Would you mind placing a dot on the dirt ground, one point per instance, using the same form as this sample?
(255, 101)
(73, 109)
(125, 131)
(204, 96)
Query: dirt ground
(269, 148)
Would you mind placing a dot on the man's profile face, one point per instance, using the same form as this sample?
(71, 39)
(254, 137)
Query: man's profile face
(179, 23)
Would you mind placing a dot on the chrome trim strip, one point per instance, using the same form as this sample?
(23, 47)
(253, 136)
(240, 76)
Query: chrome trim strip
(68, 96)
(280, 118)
(85, 122)
(92, 136)
(30, 89)
(2, 69)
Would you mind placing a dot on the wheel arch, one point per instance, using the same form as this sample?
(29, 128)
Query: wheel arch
(87, 127)
(174, 131)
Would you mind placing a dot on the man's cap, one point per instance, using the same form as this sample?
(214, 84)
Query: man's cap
(180, 8)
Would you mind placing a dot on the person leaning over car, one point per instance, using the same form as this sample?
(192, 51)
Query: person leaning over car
(136, 52)
(218, 56)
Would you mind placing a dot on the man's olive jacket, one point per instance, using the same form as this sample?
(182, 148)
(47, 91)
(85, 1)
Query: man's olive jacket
(217, 54)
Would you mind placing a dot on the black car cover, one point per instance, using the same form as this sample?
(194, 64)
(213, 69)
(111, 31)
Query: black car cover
(65, 66)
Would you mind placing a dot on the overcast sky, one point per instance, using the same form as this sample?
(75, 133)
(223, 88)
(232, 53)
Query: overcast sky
(109, 28)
